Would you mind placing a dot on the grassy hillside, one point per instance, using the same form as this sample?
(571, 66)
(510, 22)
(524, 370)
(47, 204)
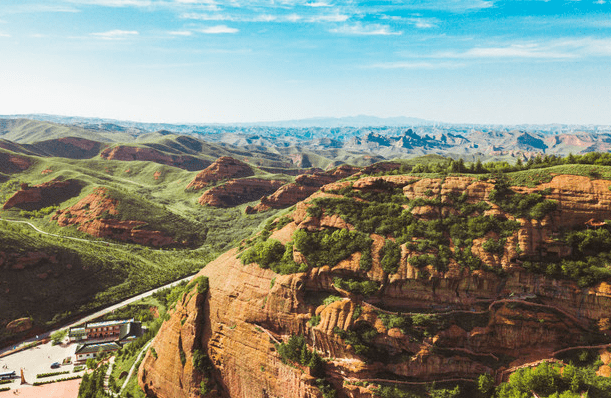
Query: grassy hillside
(30, 131)
(73, 276)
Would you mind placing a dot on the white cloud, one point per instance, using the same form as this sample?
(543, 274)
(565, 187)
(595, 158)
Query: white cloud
(416, 65)
(206, 16)
(218, 29)
(115, 3)
(450, 5)
(36, 8)
(552, 49)
(515, 51)
(329, 18)
(180, 33)
(365, 30)
(318, 4)
(4, 35)
(116, 34)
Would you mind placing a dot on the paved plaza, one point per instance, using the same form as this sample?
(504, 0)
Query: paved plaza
(38, 360)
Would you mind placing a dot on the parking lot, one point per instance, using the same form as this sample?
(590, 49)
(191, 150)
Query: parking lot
(35, 361)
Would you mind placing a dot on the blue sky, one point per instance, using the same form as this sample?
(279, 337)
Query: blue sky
(209, 61)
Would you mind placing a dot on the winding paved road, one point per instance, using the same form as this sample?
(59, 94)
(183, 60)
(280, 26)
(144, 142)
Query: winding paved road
(59, 236)
(98, 313)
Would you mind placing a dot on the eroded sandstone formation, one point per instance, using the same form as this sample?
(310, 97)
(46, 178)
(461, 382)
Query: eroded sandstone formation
(38, 196)
(223, 168)
(237, 192)
(95, 215)
(13, 163)
(481, 320)
(304, 186)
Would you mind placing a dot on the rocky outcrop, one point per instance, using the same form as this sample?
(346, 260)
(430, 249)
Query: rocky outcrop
(19, 260)
(19, 325)
(479, 321)
(128, 153)
(237, 192)
(223, 168)
(304, 186)
(38, 196)
(285, 196)
(13, 163)
(96, 215)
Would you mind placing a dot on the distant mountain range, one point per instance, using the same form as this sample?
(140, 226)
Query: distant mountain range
(295, 146)
(349, 121)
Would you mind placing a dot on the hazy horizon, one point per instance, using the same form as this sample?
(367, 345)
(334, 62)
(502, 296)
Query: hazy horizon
(255, 61)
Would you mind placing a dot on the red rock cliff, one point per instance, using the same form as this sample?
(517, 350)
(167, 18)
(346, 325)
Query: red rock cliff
(222, 169)
(481, 322)
(236, 192)
(38, 196)
(93, 215)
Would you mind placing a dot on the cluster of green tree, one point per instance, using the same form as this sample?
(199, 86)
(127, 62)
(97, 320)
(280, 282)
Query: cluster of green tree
(533, 205)
(140, 312)
(365, 288)
(380, 191)
(329, 246)
(326, 388)
(430, 237)
(7, 189)
(390, 256)
(202, 284)
(361, 336)
(551, 381)
(296, 350)
(428, 391)
(201, 361)
(45, 211)
(495, 246)
(92, 384)
(459, 166)
(274, 255)
(586, 272)
(589, 260)
(383, 218)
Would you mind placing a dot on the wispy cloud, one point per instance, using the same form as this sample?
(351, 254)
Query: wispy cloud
(449, 5)
(218, 29)
(550, 49)
(116, 34)
(365, 30)
(278, 18)
(416, 65)
(318, 4)
(37, 8)
(417, 21)
(115, 3)
(4, 35)
(180, 33)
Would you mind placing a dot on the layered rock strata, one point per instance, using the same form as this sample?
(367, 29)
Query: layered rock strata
(237, 192)
(304, 186)
(49, 193)
(223, 168)
(478, 321)
(94, 215)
